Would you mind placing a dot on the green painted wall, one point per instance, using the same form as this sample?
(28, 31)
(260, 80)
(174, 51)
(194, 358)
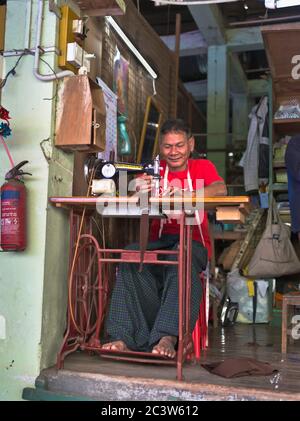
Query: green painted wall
(33, 282)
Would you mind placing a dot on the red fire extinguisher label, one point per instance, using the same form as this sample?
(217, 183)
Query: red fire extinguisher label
(9, 215)
(12, 215)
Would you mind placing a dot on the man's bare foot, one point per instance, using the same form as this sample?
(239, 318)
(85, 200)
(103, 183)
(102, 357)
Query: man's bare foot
(166, 346)
(116, 346)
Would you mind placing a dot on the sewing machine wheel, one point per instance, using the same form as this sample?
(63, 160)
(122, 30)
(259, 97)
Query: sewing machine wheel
(83, 302)
(88, 167)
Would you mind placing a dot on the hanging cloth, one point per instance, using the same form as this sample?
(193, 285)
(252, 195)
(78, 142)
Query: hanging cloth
(255, 158)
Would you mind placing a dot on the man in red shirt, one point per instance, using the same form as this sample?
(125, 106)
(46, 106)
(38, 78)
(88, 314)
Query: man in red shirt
(143, 313)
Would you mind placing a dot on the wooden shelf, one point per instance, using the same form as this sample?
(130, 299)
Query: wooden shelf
(284, 211)
(287, 125)
(280, 187)
(229, 235)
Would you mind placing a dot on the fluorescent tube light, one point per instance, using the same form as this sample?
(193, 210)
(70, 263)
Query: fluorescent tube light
(189, 2)
(277, 4)
(132, 48)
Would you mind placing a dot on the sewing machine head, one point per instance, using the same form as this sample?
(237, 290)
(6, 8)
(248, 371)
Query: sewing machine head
(105, 174)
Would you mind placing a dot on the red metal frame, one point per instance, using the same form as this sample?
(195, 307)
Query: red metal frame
(88, 299)
(88, 295)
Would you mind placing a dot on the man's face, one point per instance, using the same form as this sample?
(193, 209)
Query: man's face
(175, 148)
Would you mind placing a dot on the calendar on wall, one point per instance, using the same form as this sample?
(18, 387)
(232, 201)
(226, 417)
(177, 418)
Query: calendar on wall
(110, 99)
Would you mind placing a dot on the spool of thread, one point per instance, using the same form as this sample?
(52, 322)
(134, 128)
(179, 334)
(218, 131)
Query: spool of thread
(106, 186)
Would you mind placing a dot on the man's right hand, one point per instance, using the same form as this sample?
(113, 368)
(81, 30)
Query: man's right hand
(144, 183)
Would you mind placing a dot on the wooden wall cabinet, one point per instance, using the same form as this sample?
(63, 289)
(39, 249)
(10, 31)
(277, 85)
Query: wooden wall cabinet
(81, 116)
(282, 47)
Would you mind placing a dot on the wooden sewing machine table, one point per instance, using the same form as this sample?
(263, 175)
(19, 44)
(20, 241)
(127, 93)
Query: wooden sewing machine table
(88, 285)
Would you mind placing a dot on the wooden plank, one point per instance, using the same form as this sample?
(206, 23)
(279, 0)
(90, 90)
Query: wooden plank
(217, 200)
(230, 213)
(210, 21)
(244, 39)
(287, 126)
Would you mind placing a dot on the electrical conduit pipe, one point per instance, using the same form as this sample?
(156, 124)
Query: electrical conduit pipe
(44, 78)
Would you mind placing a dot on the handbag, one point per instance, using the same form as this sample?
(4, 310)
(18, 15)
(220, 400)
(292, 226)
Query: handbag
(274, 255)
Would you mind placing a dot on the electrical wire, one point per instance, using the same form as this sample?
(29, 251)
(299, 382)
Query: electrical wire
(56, 80)
(13, 70)
(99, 230)
(75, 255)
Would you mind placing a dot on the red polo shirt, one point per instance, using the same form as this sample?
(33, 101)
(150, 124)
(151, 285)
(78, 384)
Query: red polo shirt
(200, 169)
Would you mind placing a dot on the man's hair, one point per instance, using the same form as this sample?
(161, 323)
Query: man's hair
(175, 125)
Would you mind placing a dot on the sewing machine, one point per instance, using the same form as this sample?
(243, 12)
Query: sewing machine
(89, 279)
(106, 174)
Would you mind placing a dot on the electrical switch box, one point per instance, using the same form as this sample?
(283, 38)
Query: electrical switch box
(74, 54)
(68, 27)
(78, 28)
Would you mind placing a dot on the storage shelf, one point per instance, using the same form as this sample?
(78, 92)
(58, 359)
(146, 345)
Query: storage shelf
(279, 164)
(287, 125)
(229, 235)
(280, 187)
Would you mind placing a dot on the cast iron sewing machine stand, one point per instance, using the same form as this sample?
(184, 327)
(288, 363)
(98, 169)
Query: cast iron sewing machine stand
(89, 284)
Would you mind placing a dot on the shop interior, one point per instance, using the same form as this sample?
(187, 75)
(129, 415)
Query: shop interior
(120, 69)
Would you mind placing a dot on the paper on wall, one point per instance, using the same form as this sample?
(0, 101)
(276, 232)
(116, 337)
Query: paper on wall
(110, 99)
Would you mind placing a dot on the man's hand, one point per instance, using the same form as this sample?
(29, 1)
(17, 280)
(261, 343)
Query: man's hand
(215, 189)
(144, 183)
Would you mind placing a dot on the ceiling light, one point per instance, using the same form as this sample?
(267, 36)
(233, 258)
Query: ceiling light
(132, 48)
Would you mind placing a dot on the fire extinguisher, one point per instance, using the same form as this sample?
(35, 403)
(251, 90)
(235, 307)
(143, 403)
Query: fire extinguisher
(13, 210)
